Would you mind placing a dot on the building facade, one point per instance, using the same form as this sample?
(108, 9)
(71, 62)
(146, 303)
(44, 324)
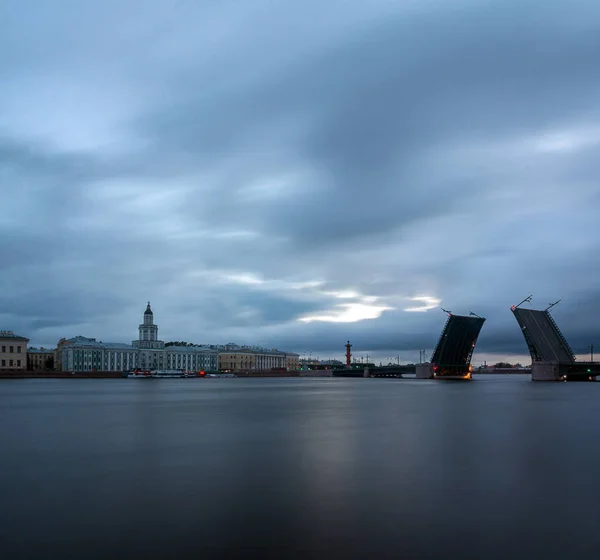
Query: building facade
(253, 358)
(292, 361)
(58, 352)
(13, 350)
(40, 358)
(147, 352)
(91, 355)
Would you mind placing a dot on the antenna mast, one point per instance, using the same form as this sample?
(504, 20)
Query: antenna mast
(527, 299)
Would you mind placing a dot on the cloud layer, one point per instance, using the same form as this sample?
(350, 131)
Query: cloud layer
(297, 176)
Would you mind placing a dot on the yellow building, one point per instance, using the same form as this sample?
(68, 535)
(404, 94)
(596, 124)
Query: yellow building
(232, 360)
(254, 358)
(40, 358)
(13, 351)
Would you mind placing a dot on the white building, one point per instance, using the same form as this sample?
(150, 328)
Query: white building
(86, 354)
(91, 355)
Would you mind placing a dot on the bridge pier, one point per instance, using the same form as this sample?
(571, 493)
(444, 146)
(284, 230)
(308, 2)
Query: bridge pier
(545, 371)
(424, 371)
(555, 371)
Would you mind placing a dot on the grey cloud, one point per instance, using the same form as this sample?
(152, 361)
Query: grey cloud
(223, 306)
(396, 143)
(374, 112)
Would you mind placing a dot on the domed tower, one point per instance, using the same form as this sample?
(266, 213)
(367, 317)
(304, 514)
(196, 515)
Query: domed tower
(148, 331)
(148, 315)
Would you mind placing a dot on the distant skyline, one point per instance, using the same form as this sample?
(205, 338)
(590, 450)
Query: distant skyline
(359, 353)
(298, 175)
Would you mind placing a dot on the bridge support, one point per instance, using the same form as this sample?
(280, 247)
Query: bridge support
(548, 371)
(424, 371)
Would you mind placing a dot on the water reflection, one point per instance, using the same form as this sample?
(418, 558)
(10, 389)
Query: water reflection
(357, 468)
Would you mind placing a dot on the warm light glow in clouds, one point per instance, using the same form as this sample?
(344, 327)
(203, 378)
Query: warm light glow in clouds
(348, 313)
(428, 302)
(363, 307)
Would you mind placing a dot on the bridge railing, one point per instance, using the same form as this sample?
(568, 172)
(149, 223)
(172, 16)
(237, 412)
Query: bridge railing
(560, 336)
(438, 346)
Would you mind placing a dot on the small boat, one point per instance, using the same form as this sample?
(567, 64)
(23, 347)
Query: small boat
(168, 373)
(159, 373)
(139, 374)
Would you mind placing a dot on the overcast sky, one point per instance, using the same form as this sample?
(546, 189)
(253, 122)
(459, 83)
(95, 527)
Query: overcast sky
(297, 174)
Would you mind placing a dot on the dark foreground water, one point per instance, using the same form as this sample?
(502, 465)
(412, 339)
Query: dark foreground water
(299, 468)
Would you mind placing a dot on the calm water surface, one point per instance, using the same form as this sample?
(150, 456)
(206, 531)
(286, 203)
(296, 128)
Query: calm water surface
(299, 468)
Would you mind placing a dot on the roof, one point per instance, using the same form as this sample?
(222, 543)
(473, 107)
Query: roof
(186, 349)
(12, 336)
(80, 338)
(257, 351)
(95, 345)
(40, 351)
(101, 345)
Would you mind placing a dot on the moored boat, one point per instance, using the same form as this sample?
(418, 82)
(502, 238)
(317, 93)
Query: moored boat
(159, 373)
(139, 374)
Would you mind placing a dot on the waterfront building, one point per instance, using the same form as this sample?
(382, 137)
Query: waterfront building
(40, 358)
(13, 350)
(153, 354)
(92, 355)
(233, 357)
(147, 352)
(58, 353)
(292, 361)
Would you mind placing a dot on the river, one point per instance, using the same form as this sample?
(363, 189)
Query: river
(299, 468)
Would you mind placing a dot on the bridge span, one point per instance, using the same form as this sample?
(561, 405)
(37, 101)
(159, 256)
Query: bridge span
(451, 358)
(552, 359)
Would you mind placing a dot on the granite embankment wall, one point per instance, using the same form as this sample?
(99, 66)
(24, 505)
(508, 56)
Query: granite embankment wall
(267, 373)
(315, 373)
(51, 374)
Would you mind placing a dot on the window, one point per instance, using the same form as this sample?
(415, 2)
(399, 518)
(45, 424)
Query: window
(3, 363)
(18, 349)
(10, 363)
(19, 363)
(4, 349)
(12, 349)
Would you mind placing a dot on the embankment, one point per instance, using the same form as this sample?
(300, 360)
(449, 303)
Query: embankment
(51, 374)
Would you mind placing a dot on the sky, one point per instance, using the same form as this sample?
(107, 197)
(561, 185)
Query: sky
(298, 174)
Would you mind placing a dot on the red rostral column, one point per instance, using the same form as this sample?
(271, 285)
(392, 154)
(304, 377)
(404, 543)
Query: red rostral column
(348, 354)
